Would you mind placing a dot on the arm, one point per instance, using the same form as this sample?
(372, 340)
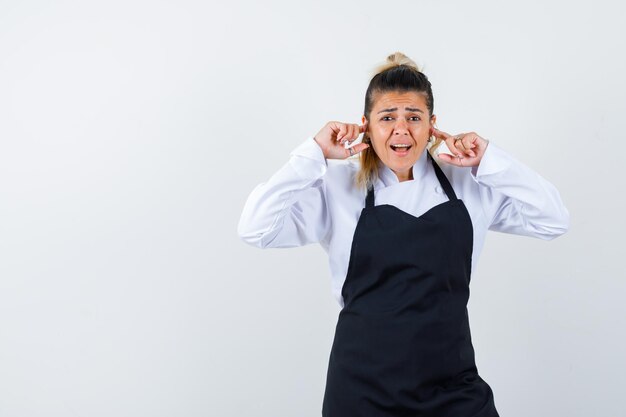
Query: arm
(516, 199)
(290, 208)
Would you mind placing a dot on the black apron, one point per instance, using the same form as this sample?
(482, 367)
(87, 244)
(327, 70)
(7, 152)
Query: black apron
(402, 343)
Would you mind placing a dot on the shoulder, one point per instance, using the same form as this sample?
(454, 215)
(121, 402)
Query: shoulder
(342, 172)
(465, 187)
(343, 195)
(343, 166)
(457, 175)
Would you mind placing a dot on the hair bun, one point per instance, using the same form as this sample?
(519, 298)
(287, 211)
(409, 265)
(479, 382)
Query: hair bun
(398, 58)
(394, 60)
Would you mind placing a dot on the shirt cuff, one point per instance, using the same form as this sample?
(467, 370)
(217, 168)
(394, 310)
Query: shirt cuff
(494, 160)
(308, 160)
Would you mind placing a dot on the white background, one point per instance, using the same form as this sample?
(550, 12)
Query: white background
(131, 133)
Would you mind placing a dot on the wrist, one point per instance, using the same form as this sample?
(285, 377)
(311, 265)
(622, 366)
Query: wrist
(321, 147)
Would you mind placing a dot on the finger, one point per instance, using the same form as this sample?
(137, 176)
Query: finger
(459, 144)
(348, 136)
(469, 143)
(342, 132)
(359, 148)
(465, 144)
(451, 143)
(354, 132)
(351, 151)
(453, 160)
(440, 134)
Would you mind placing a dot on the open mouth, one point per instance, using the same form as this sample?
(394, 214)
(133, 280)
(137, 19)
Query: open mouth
(401, 148)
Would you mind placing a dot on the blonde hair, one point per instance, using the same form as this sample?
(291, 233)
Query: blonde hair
(397, 73)
(393, 60)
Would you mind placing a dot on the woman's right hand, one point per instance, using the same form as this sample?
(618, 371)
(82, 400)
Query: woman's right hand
(333, 135)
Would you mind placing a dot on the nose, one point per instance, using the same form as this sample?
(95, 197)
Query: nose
(401, 127)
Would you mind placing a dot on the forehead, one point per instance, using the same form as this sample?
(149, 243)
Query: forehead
(400, 100)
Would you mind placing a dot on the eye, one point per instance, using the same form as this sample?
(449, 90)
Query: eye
(385, 117)
(416, 117)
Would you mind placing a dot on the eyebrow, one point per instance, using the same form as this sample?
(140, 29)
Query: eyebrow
(406, 108)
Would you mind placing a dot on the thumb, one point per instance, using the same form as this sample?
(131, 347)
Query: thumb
(447, 158)
(360, 147)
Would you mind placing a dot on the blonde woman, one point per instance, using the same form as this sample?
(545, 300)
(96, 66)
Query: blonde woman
(403, 226)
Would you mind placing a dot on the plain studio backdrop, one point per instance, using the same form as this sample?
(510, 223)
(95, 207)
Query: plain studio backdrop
(133, 131)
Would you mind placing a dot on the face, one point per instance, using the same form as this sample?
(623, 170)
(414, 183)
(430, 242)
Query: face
(399, 128)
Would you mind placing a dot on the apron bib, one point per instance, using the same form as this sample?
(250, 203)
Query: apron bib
(402, 343)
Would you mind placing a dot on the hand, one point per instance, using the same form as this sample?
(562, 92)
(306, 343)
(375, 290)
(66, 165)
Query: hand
(468, 148)
(333, 135)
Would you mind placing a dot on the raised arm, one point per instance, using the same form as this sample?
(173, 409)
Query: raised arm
(290, 208)
(516, 199)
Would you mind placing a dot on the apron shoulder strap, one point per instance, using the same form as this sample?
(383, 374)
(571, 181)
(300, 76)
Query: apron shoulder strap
(443, 180)
(369, 200)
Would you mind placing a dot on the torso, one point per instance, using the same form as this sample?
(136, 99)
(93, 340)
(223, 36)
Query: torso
(414, 197)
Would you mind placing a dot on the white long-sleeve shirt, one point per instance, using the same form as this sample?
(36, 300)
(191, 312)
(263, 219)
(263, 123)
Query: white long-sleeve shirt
(314, 200)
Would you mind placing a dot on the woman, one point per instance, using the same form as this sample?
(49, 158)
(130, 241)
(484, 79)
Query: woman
(403, 226)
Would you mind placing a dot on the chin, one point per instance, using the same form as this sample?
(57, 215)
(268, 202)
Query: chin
(404, 164)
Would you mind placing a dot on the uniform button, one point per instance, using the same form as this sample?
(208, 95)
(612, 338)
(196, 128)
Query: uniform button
(438, 189)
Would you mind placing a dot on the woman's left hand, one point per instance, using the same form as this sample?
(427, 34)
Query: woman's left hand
(468, 148)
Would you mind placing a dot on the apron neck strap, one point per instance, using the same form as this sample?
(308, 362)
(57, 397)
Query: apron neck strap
(443, 180)
(369, 200)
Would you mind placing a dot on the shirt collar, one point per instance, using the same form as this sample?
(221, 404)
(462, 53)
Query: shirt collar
(386, 177)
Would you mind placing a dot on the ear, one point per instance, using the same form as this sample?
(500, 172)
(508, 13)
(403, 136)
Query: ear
(433, 120)
(363, 119)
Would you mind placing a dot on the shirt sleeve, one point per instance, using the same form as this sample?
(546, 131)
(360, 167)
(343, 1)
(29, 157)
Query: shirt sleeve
(516, 199)
(290, 208)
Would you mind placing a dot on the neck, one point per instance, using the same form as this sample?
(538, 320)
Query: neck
(405, 175)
